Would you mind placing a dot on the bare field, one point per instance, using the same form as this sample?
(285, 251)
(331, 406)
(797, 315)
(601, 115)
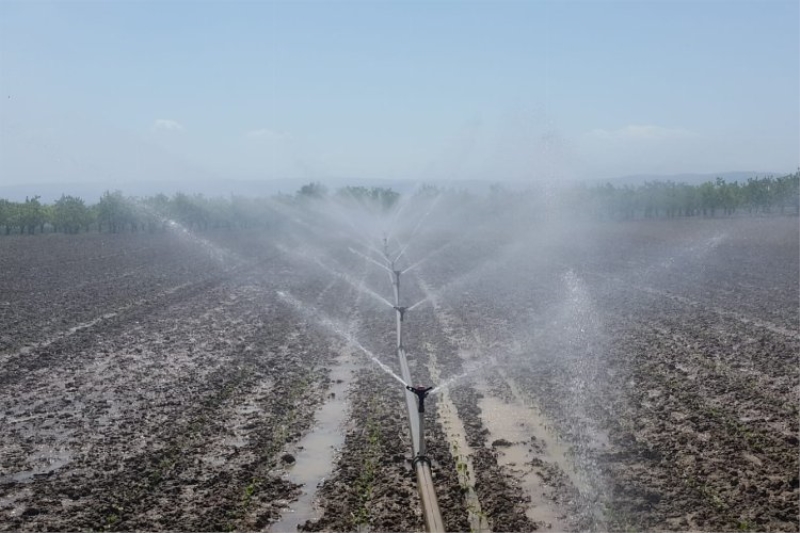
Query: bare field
(635, 376)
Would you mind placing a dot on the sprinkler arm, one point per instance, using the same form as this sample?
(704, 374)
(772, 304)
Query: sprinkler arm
(421, 393)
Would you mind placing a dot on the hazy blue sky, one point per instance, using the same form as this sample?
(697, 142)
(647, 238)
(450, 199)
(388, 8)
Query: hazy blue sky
(421, 90)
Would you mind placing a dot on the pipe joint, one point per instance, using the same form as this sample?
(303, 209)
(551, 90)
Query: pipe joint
(421, 459)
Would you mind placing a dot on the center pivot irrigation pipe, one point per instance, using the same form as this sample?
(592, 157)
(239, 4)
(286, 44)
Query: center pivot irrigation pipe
(415, 401)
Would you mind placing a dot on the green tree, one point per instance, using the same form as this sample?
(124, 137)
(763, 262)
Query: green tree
(786, 193)
(112, 212)
(70, 214)
(312, 190)
(757, 194)
(428, 191)
(729, 196)
(156, 211)
(191, 211)
(689, 199)
(32, 214)
(8, 214)
(373, 198)
(708, 198)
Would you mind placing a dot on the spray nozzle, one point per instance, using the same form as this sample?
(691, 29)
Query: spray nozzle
(421, 392)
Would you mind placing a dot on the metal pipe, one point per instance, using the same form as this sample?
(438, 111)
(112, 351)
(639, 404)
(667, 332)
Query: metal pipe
(397, 284)
(430, 507)
(416, 418)
(421, 393)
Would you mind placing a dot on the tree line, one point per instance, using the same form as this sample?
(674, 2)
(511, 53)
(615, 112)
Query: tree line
(759, 195)
(115, 213)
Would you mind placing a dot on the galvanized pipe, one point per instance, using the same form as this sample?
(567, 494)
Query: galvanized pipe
(430, 505)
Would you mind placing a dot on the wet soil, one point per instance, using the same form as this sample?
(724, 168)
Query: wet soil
(666, 357)
(646, 378)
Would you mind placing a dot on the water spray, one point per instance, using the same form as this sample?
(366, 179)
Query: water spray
(418, 303)
(336, 329)
(415, 403)
(415, 396)
(371, 260)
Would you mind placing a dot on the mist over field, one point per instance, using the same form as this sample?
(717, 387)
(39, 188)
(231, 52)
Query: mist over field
(399, 266)
(634, 348)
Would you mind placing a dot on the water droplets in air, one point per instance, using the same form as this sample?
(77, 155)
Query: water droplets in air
(337, 329)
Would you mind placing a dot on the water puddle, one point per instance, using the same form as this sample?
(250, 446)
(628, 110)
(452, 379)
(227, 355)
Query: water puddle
(44, 462)
(462, 454)
(315, 454)
(528, 449)
(461, 451)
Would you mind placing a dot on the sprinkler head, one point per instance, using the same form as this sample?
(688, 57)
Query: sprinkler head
(421, 393)
(401, 310)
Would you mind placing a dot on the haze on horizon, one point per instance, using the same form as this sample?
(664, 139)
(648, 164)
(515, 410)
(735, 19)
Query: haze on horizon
(539, 91)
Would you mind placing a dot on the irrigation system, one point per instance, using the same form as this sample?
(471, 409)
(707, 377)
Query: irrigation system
(415, 402)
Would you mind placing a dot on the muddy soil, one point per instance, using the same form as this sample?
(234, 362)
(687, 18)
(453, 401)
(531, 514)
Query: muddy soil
(667, 362)
(163, 403)
(644, 378)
